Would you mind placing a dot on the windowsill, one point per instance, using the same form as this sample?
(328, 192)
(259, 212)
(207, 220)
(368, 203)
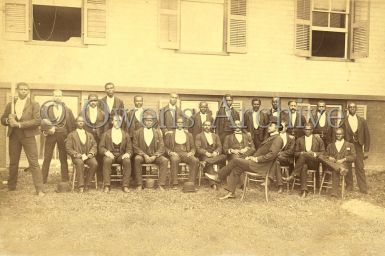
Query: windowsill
(329, 59)
(202, 52)
(70, 43)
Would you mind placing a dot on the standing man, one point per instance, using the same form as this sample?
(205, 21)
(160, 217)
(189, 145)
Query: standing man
(149, 148)
(274, 113)
(238, 144)
(321, 122)
(114, 104)
(134, 117)
(295, 121)
(357, 133)
(82, 148)
(209, 149)
(180, 148)
(200, 118)
(256, 123)
(169, 114)
(63, 120)
(115, 146)
(226, 117)
(23, 126)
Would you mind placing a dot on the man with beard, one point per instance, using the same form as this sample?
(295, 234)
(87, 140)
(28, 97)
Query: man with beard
(238, 144)
(295, 121)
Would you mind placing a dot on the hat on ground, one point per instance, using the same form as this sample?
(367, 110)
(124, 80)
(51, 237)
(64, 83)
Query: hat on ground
(189, 187)
(46, 125)
(63, 187)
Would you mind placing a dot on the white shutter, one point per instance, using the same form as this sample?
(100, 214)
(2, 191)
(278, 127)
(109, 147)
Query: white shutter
(361, 111)
(237, 26)
(302, 28)
(169, 24)
(237, 105)
(95, 21)
(16, 19)
(359, 43)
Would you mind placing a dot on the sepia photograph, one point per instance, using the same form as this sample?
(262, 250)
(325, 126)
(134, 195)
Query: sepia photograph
(192, 127)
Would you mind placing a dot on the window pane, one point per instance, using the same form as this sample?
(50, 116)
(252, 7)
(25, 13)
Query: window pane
(321, 5)
(328, 44)
(339, 5)
(337, 20)
(320, 19)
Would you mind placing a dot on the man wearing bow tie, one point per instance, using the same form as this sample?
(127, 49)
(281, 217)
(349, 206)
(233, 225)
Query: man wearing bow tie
(256, 123)
(169, 114)
(200, 118)
(274, 113)
(238, 144)
(295, 121)
(226, 117)
(23, 126)
(134, 117)
(321, 123)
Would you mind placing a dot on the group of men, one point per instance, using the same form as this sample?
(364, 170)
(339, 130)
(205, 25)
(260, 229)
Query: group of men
(105, 133)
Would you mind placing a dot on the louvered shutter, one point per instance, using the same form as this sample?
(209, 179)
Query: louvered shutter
(359, 43)
(361, 111)
(237, 105)
(237, 26)
(95, 21)
(169, 24)
(16, 19)
(302, 27)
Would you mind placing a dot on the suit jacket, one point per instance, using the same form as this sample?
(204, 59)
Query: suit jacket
(118, 105)
(101, 125)
(166, 121)
(67, 124)
(132, 124)
(287, 151)
(266, 154)
(197, 127)
(326, 131)
(317, 146)
(231, 142)
(73, 144)
(263, 121)
(29, 121)
(347, 151)
(170, 143)
(270, 116)
(140, 145)
(361, 136)
(202, 145)
(297, 129)
(107, 145)
(222, 122)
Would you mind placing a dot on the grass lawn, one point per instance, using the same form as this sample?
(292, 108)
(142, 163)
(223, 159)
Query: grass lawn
(151, 222)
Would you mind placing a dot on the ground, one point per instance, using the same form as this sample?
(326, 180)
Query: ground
(174, 223)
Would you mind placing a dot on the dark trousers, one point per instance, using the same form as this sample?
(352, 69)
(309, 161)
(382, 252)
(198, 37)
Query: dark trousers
(234, 169)
(17, 141)
(191, 161)
(80, 173)
(281, 161)
(210, 161)
(335, 168)
(107, 166)
(359, 170)
(161, 161)
(304, 162)
(50, 142)
(223, 135)
(257, 137)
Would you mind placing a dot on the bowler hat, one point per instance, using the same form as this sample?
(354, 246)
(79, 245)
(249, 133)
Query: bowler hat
(63, 187)
(189, 187)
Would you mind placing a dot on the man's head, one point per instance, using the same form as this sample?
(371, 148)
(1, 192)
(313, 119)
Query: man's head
(179, 123)
(80, 122)
(229, 100)
(308, 129)
(283, 127)
(148, 121)
(256, 104)
(173, 99)
(203, 107)
(138, 101)
(339, 134)
(238, 126)
(352, 108)
(116, 121)
(292, 106)
(321, 106)
(276, 103)
(57, 96)
(207, 126)
(93, 100)
(272, 128)
(109, 89)
(22, 90)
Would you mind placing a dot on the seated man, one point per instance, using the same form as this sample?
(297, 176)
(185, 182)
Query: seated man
(209, 148)
(82, 148)
(149, 148)
(307, 150)
(238, 144)
(259, 163)
(180, 147)
(115, 145)
(337, 158)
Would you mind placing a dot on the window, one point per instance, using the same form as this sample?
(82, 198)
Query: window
(332, 28)
(56, 20)
(203, 25)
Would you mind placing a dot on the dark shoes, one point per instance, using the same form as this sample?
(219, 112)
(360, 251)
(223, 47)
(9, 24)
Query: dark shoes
(106, 189)
(214, 187)
(280, 190)
(81, 190)
(303, 193)
(229, 195)
(174, 187)
(126, 190)
(213, 177)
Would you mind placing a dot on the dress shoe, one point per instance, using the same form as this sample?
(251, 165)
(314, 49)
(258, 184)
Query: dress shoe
(303, 194)
(214, 187)
(161, 188)
(174, 187)
(288, 179)
(40, 193)
(227, 196)
(106, 189)
(213, 177)
(81, 190)
(126, 190)
(280, 190)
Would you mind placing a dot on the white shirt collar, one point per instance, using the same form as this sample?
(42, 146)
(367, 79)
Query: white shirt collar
(171, 106)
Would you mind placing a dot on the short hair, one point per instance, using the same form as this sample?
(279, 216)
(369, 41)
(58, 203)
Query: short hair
(256, 99)
(22, 84)
(207, 121)
(290, 101)
(137, 96)
(321, 101)
(79, 116)
(177, 95)
(92, 95)
(202, 102)
(228, 95)
(57, 90)
(109, 83)
(340, 129)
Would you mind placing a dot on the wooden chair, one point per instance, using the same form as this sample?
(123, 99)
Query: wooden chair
(201, 173)
(116, 173)
(150, 171)
(327, 184)
(310, 183)
(285, 171)
(73, 177)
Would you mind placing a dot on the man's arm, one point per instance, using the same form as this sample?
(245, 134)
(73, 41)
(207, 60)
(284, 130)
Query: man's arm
(4, 117)
(137, 149)
(198, 143)
(35, 120)
(161, 148)
(273, 151)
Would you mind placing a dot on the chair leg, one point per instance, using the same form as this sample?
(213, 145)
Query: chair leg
(343, 187)
(292, 186)
(73, 178)
(314, 183)
(96, 181)
(322, 182)
(267, 188)
(244, 186)
(200, 175)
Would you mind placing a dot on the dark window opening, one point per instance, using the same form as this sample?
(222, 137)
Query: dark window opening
(55, 23)
(328, 44)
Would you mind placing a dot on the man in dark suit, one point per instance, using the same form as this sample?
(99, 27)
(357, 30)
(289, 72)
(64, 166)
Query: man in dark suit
(308, 148)
(149, 148)
(23, 126)
(82, 148)
(111, 104)
(226, 117)
(238, 144)
(274, 114)
(200, 118)
(339, 155)
(180, 147)
(168, 115)
(209, 150)
(321, 122)
(295, 121)
(135, 117)
(357, 133)
(63, 121)
(256, 123)
(115, 146)
(259, 163)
